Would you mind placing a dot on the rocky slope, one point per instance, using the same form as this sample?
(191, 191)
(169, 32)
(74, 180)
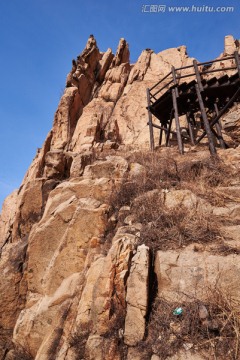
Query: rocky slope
(80, 276)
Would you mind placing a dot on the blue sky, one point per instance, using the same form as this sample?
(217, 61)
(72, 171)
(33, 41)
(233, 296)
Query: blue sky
(39, 38)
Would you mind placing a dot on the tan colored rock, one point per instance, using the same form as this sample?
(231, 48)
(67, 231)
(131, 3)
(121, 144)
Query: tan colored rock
(186, 198)
(137, 297)
(115, 80)
(30, 203)
(187, 355)
(110, 288)
(37, 323)
(135, 354)
(37, 167)
(140, 68)
(229, 45)
(66, 118)
(91, 125)
(122, 54)
(113, 167)
(12, 284)
(70, 227)
(98, 348)
(7, 217)
(185, 275)
(231, 125)
(104, 64)
(87, 298)
(79, 162)
(55, 165)
(155, 357)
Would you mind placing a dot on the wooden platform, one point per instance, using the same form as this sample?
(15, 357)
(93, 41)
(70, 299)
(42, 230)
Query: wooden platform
(208, 99)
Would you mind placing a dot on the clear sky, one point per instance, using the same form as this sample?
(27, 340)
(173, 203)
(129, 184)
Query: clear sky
(39, 38)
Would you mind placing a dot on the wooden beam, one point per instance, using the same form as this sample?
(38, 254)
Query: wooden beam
(160, 137)
(150, 122)
(198, 76)
(175, 81)
(206, 122)
(221, 112)
(178, 130)
(190, 128)
(218, 128)
(169, 131)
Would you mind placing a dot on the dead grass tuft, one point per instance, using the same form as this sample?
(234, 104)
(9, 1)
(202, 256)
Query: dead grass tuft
(226, 249)
(217, 334)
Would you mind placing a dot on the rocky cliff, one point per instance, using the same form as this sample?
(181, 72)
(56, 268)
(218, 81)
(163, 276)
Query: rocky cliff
(104, 239)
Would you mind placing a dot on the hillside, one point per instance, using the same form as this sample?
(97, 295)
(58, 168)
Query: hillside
(105, 239)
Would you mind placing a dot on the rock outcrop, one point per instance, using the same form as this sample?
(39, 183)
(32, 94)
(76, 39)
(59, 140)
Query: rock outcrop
(78, 283)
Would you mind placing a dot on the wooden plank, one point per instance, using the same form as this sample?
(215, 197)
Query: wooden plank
(169, 128)
(175, 81)
(190, 128)
(160, 137)
(162, 128)
(179, 137)
(198, 76)
(218, 128)
(150, 122)
(206, 122)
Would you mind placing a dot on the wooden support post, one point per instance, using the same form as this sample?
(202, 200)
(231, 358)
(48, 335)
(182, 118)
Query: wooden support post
(150, 122)
(219, 131)
(206, 122)
(160, 137)
(169, 127)
(178, 130)
(169, 131)
(175, 81)
(221, 112)
(198, 76)
(190, 129)
(236, 55)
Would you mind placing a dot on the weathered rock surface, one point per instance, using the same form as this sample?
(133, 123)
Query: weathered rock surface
(7, 217)
(75, 281)
(137, 297)
(186, 275)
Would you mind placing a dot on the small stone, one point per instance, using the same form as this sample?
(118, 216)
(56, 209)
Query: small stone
(155, 357)
(175, 327)
(124, 209)
(187, 346)
(203, 313)
(129, 220)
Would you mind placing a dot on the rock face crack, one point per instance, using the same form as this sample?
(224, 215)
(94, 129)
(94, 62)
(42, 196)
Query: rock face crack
(137, 297)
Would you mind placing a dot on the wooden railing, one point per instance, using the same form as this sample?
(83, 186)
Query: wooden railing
(173, 77)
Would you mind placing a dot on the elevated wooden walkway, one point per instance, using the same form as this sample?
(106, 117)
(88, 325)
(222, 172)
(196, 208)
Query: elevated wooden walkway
(202, 99)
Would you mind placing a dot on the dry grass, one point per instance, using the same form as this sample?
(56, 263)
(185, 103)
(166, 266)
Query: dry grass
(178, 227)
(170, 228)
(217, 335)
(201, 176)
(226, 249)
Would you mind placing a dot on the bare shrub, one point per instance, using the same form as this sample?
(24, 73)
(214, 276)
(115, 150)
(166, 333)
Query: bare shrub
(204, 177)
(226, 249)
(165, 228)
(217, 334)
(170, 228)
